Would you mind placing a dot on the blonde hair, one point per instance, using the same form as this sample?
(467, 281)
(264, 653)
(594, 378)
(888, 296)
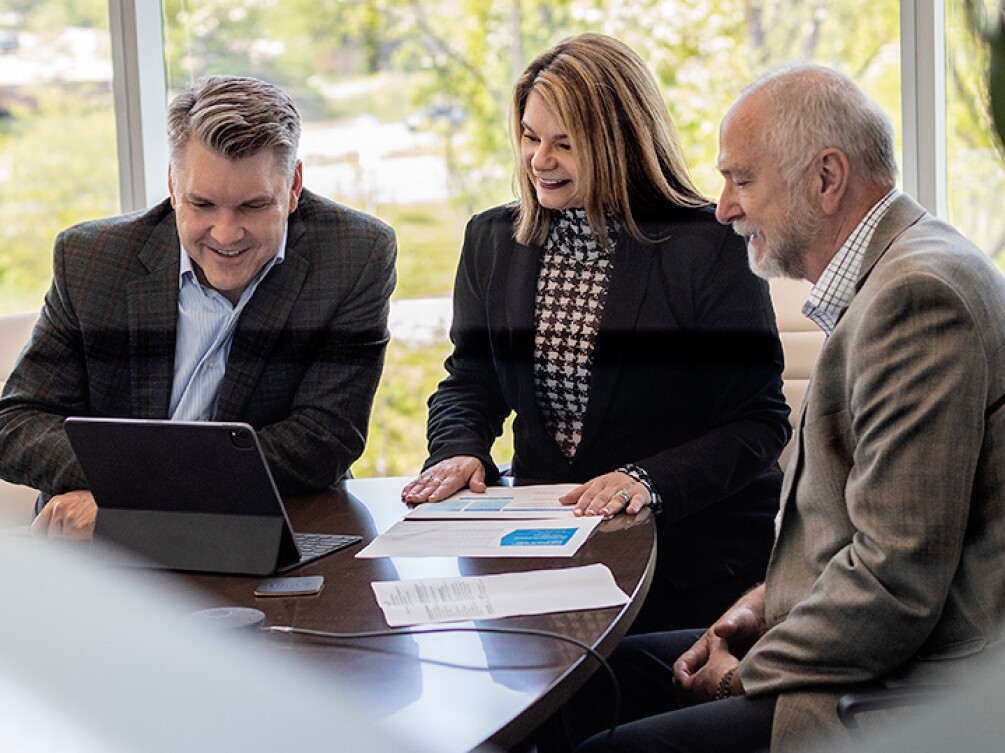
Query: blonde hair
(629, 164)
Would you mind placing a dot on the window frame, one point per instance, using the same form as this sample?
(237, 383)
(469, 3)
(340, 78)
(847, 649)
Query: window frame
(140, 89)
(923, 102)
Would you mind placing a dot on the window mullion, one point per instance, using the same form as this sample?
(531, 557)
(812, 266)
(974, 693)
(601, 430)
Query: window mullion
(140, 91)
(923, 88)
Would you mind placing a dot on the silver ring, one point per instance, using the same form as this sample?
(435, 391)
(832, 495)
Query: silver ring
(625, 495)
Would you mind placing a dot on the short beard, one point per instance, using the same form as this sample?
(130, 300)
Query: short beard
(785, 257)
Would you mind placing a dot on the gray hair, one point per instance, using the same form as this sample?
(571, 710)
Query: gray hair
(236, 117)
(816, 108)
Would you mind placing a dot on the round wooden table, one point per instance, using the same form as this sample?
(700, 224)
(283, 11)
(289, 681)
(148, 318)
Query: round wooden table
(452, 691)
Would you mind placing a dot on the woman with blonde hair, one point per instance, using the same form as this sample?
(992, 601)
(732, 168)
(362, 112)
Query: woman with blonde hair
(620, 322)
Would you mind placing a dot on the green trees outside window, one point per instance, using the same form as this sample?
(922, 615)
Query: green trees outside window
(405, 107)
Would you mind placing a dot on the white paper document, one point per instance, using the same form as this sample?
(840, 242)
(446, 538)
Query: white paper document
(415, 602)
(526, 502)
(481, 538)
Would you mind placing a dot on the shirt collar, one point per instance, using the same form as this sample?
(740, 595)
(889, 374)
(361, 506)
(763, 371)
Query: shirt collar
(834, 290)
(187, 272)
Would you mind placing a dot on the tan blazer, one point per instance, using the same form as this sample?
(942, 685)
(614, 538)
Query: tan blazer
(890, 556)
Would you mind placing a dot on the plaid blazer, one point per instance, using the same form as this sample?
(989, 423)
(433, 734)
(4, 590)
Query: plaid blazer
(891, 548)
(303, 368)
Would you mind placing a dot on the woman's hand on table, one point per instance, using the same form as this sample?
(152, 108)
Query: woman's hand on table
(439, 481)
(608, 495)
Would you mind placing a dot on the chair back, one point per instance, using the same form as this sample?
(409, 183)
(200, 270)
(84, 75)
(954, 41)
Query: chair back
(15, 329)
(801, 343)
(17, 503)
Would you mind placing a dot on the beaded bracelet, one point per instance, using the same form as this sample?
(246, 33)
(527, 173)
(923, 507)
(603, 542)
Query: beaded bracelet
(725, 689)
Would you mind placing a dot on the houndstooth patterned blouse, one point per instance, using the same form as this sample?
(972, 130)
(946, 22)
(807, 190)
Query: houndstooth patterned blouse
(572, 287)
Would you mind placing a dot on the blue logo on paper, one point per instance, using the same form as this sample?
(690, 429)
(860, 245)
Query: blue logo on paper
(487, 505)
(538, 537)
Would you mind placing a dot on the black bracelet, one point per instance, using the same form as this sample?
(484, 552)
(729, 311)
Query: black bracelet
(725, 689)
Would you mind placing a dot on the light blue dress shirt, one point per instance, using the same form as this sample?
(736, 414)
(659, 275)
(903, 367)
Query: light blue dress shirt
(206, 325)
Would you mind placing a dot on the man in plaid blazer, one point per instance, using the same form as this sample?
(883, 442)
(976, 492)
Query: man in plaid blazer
(243, 297)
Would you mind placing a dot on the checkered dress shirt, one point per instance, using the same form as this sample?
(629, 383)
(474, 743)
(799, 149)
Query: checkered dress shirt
(833, 291)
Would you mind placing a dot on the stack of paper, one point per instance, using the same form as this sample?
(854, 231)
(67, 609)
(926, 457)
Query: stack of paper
(518, 521)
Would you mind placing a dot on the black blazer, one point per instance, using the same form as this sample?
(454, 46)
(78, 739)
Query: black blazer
(686, 383)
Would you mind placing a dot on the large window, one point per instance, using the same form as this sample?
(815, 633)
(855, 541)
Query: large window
(405, 108)
(57, 135)
(975, 178)
(405, 105)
